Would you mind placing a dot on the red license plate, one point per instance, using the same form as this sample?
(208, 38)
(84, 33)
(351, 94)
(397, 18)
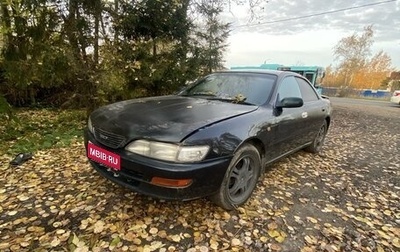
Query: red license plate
(103, 156)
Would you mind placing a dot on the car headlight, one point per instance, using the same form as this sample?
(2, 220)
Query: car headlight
(167, 151)
(90, 126)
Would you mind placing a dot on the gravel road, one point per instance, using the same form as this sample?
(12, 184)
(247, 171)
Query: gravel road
(345, 199)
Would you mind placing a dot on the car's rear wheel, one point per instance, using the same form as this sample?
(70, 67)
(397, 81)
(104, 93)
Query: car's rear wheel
(240, 179)
(316, 145)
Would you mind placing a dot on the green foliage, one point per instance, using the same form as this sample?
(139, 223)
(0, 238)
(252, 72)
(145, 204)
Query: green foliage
(86, 53)
(6, 113)
(42, 129)
(35, 56)
(151, 19)
(212, 39)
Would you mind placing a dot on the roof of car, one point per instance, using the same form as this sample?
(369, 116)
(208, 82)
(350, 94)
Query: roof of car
(254, 70)
(265, 71)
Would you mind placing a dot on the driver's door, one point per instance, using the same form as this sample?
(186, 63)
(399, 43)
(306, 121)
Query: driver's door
(286, 127)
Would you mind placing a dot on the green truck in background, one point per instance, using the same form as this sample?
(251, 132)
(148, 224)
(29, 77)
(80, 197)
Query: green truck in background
(314, 74)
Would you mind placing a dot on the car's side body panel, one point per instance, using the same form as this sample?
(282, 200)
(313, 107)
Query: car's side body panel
(278, 133)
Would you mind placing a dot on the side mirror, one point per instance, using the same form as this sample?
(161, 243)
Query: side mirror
(289, 102)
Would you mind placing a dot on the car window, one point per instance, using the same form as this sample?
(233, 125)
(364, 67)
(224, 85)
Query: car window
(247, 87)
(289, 88)
(307, 92)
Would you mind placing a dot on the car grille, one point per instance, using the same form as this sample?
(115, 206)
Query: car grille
(109, 139)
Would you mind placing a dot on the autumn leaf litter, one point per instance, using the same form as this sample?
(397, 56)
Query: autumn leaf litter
(345, 199)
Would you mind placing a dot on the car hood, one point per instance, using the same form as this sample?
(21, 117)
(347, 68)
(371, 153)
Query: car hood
(165, 118)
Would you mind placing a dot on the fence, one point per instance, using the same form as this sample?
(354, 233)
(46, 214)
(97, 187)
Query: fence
(349, 92)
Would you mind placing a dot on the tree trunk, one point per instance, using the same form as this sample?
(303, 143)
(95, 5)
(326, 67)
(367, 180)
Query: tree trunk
(154, 47)
(6, 22)
(70, 28)
(97, 17)
(116, 11)
(32, 95)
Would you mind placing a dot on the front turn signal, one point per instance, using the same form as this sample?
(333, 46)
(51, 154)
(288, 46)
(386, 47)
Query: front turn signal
(172, 183)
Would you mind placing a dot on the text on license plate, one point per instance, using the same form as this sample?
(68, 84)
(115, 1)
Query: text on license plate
(103, 156)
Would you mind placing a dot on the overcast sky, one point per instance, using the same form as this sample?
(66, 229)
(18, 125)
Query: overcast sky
(308, 41)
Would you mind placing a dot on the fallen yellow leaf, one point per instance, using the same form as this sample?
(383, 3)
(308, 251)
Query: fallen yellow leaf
(396, 242)
(311, 219)
(235, 242)
(273, 233)
(275, 247)
(272, 225)
(175, 238)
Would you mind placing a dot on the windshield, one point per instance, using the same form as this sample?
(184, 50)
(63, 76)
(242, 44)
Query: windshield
(244, 88)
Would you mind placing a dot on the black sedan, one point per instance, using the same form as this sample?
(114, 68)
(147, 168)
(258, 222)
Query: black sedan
(212, 139)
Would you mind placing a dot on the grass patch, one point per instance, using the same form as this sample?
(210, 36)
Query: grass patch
(39, 129)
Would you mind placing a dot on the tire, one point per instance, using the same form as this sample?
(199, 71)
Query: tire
(319, 139)
(240, 178)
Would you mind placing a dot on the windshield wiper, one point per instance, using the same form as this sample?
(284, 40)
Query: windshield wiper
(206, 93)
(232, 100)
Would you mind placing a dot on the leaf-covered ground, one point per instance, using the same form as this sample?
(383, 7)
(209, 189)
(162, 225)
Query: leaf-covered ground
(345, 199)
(41, 129)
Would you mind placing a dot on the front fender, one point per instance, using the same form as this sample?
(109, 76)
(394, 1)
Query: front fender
(225, 137)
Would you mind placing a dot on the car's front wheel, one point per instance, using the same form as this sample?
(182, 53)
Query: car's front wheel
(240, 179)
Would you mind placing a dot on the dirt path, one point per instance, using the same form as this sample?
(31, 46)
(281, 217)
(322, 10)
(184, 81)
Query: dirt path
(346, 199)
